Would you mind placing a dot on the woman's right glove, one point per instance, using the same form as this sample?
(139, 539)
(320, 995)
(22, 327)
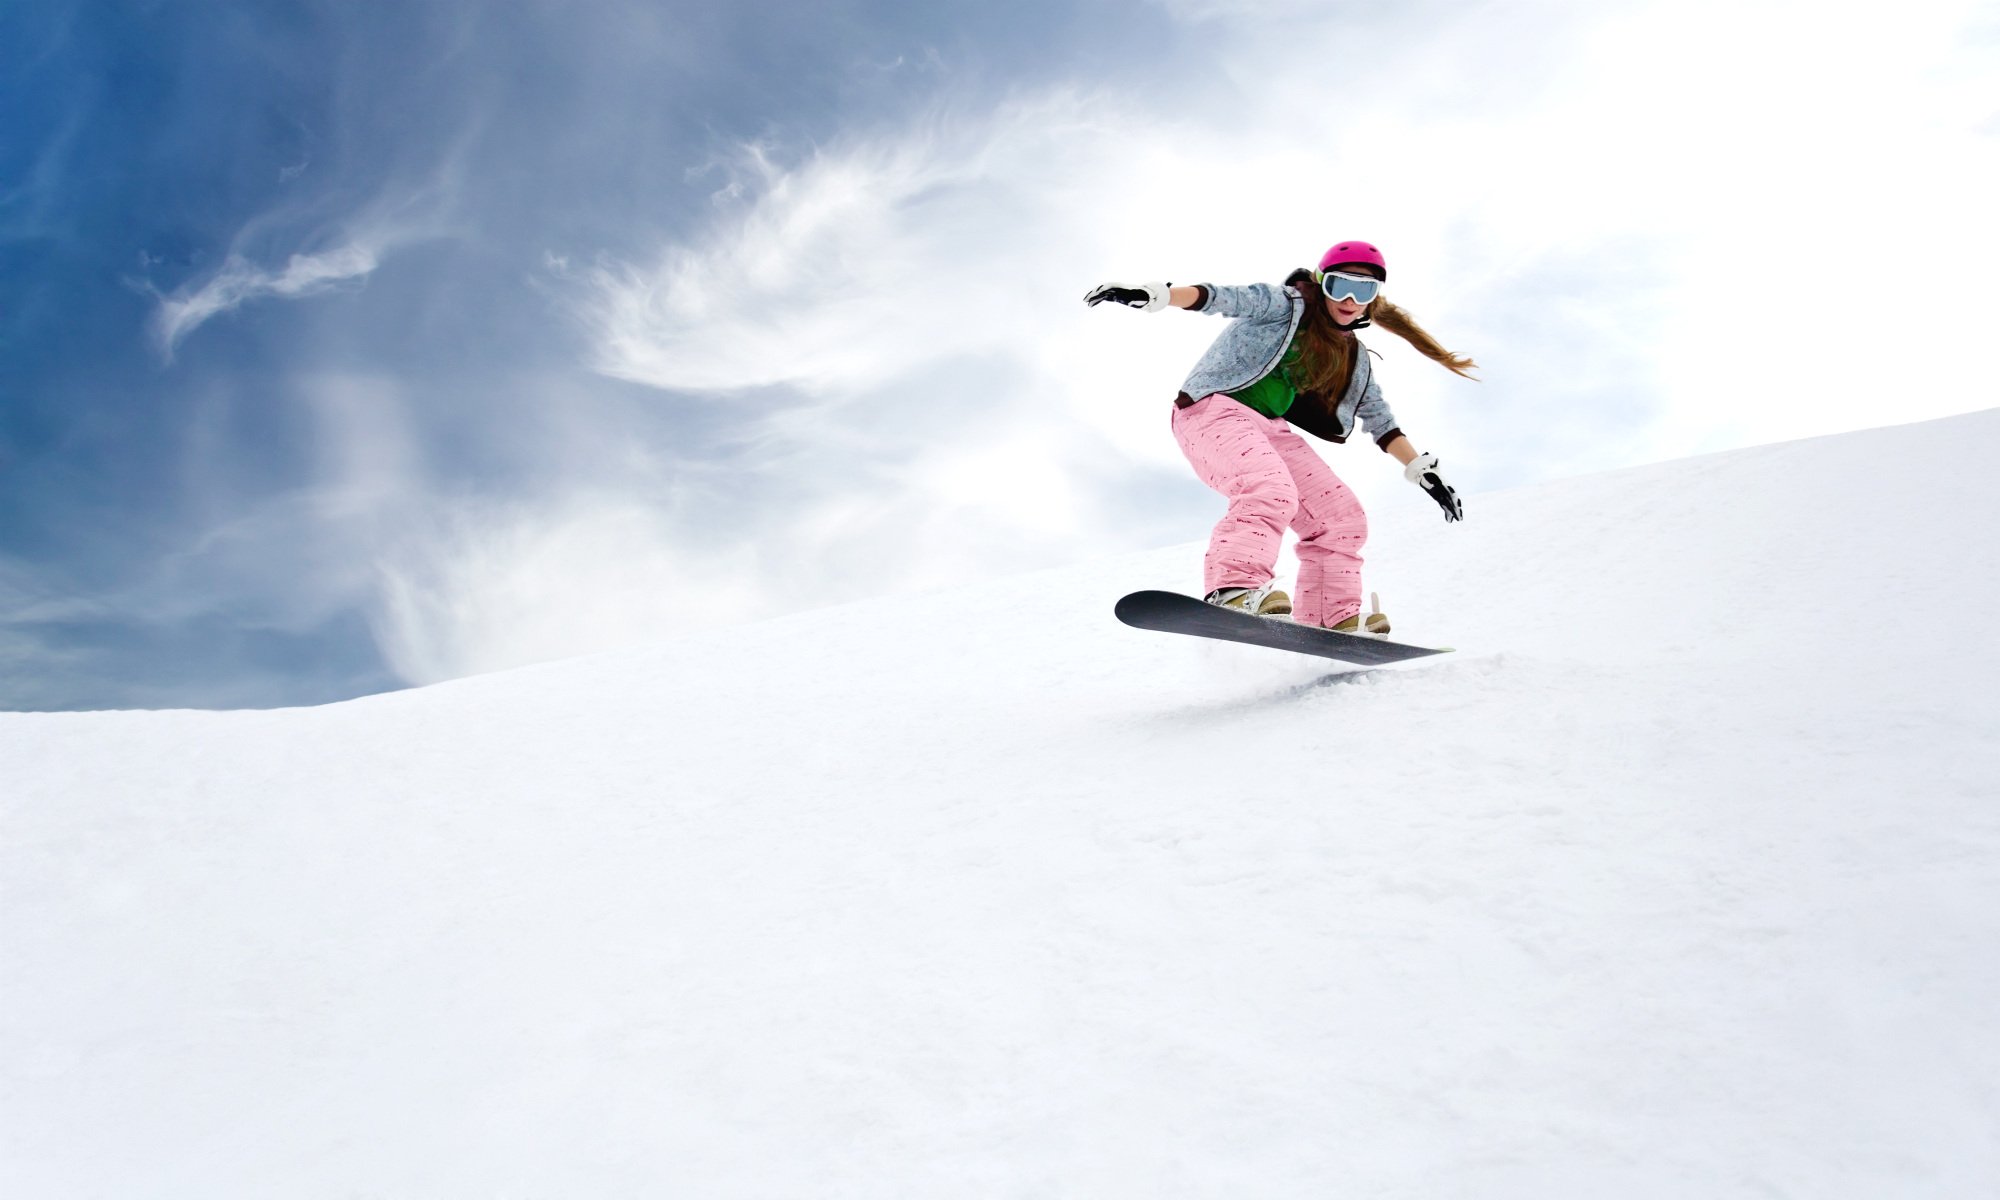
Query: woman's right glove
(1146, 297)
(1423, 471)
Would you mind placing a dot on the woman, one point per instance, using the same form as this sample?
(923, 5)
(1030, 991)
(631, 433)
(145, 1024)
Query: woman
(1290, 359)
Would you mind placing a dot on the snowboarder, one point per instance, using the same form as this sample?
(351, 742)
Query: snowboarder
(1290, 359)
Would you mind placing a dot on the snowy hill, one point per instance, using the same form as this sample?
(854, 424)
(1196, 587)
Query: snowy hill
(1680, 879)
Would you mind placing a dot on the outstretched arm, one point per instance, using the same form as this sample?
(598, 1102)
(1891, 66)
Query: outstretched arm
(1146, 297)
(1256, 301)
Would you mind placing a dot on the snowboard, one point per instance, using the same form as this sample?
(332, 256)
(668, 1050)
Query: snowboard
(1171, 612)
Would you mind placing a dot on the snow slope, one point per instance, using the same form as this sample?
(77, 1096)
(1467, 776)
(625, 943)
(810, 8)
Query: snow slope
(1681, 879)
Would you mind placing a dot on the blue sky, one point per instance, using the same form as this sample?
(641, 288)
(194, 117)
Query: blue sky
(351, 346)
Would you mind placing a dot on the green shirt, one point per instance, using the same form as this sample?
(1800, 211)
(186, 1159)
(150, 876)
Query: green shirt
(1273, 394)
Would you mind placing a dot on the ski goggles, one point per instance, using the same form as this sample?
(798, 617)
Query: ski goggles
(1339, 285)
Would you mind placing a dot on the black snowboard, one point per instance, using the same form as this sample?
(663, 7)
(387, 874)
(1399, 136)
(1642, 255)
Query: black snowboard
(1171, 612)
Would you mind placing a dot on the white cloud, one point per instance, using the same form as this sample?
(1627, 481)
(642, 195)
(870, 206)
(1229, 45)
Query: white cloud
(870, 259)
(293, 559)
(422, 204)
(239, 281)
(1739, 151)
(497, 586)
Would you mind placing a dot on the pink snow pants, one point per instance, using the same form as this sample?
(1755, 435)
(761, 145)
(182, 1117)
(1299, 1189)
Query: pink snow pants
(1273, 479)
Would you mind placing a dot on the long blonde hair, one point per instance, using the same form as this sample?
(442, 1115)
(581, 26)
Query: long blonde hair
(1326, 352)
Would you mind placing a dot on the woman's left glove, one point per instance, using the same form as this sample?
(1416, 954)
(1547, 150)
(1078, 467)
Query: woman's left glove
(1146, 297)
(1423, 471)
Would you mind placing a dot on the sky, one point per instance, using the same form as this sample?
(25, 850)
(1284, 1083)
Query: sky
(349, 347)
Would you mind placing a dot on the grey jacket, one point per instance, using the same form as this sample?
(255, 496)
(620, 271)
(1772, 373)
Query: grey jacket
(1266, 318)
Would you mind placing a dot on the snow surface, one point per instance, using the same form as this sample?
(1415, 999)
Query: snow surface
(1680, 879)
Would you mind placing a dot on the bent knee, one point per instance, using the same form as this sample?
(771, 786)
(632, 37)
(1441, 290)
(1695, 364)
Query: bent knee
(1348, 530)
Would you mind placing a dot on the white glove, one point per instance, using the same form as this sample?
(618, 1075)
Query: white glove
(1423, 471)
(1146, 297)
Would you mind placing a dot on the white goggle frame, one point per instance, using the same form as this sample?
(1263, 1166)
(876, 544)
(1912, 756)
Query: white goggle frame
(1342, 285)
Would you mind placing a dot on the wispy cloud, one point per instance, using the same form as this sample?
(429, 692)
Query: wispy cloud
(240, 281)
(863, 260)
(486, 586)
(346, 242)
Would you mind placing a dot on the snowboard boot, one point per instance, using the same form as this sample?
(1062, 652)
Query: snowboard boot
(1264, 601)
(1375, 624)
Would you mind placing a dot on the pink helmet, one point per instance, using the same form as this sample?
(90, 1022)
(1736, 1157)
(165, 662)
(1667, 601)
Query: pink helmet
(1355, 254)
